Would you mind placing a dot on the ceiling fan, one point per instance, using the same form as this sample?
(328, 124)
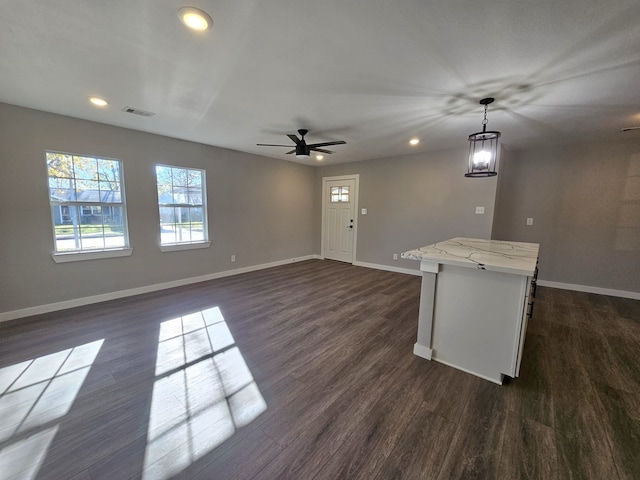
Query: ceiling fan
(303, 150)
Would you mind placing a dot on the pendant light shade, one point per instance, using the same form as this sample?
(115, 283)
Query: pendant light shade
(483, 149)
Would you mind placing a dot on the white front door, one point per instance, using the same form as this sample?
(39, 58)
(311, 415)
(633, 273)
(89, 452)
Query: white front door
(339, 219)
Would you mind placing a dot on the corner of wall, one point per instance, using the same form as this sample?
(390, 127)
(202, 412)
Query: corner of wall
(497, 203)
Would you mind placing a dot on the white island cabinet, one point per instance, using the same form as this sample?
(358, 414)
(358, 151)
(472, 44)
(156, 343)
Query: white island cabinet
(475, 301)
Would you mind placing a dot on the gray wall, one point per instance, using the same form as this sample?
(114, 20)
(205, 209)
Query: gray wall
(585, 202)
(260, 209)
(416, 200)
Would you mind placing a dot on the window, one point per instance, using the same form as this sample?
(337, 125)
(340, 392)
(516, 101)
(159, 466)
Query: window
(87, 203)
(183, 206)
(339, 194)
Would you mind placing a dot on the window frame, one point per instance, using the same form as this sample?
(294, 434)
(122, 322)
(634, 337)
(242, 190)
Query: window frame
(62, 256)
(190, 244)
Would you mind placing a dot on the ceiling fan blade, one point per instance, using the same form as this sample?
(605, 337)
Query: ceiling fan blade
(326, 144)
(294, 138)
(320, 150)
(292, 151)
(271, 145)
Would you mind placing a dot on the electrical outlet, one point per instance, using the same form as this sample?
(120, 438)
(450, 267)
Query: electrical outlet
(529, 221)
(363, 211)
(233, 258)
(395, 256)
(479, 210)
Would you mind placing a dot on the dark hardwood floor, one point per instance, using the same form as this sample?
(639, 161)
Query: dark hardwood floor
(306, 371)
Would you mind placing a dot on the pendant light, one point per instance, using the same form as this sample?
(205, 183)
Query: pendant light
(483, 148)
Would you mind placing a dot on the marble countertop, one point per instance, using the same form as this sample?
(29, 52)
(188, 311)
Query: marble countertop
(508, 257)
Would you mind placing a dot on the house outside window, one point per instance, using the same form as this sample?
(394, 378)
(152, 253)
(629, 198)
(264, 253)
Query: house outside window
(182, 206)
(87, 201)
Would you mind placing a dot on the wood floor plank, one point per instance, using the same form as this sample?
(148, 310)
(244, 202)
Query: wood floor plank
(309, 444)
(529, 450)
(530, 396)
(422, 449)
(364, 452)
(295, 418)
(84, 475)
(126, 462)
(605, 360)
(582, 435)
(623, 414)
(448, 390)
(232, 463)
(477, 444)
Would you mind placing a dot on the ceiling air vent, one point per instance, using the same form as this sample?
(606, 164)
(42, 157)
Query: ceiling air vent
(137, 111)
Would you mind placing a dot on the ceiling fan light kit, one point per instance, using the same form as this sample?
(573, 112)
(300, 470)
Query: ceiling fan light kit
(483, 149)
(303, 150)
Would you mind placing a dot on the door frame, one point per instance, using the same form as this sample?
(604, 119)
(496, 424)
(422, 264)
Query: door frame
(356, 194)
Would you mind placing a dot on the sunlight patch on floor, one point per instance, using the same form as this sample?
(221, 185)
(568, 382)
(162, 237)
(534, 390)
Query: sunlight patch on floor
(34, 396)
(203, 393)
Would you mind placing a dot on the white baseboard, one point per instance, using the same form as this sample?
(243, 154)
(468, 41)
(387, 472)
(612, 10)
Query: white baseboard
(77, 302)
(589, 289)
(465, 370)
(422, 351)
(388, 268)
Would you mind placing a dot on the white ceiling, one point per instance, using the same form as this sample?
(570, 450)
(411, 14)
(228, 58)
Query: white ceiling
(371, 72)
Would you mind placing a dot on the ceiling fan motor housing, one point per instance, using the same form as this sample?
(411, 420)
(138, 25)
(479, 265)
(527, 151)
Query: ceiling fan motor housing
(302, 150)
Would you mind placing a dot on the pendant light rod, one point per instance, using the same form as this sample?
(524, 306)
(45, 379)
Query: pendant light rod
(486, 101)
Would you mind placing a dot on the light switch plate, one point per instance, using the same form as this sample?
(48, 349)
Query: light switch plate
(479, 210)
(363, 211)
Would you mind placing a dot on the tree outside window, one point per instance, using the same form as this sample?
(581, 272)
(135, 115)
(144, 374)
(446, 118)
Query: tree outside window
(86, 195)
(182, 205)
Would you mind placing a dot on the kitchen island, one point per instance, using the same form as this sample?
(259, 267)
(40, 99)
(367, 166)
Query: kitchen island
(475, 302)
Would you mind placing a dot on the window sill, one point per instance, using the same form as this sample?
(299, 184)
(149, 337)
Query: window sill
(96, 255)
(184, 246)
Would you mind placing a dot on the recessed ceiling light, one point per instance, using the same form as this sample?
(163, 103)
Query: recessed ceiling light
(414, 141)
(319, 157)
(98, 102)
(194, 18)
